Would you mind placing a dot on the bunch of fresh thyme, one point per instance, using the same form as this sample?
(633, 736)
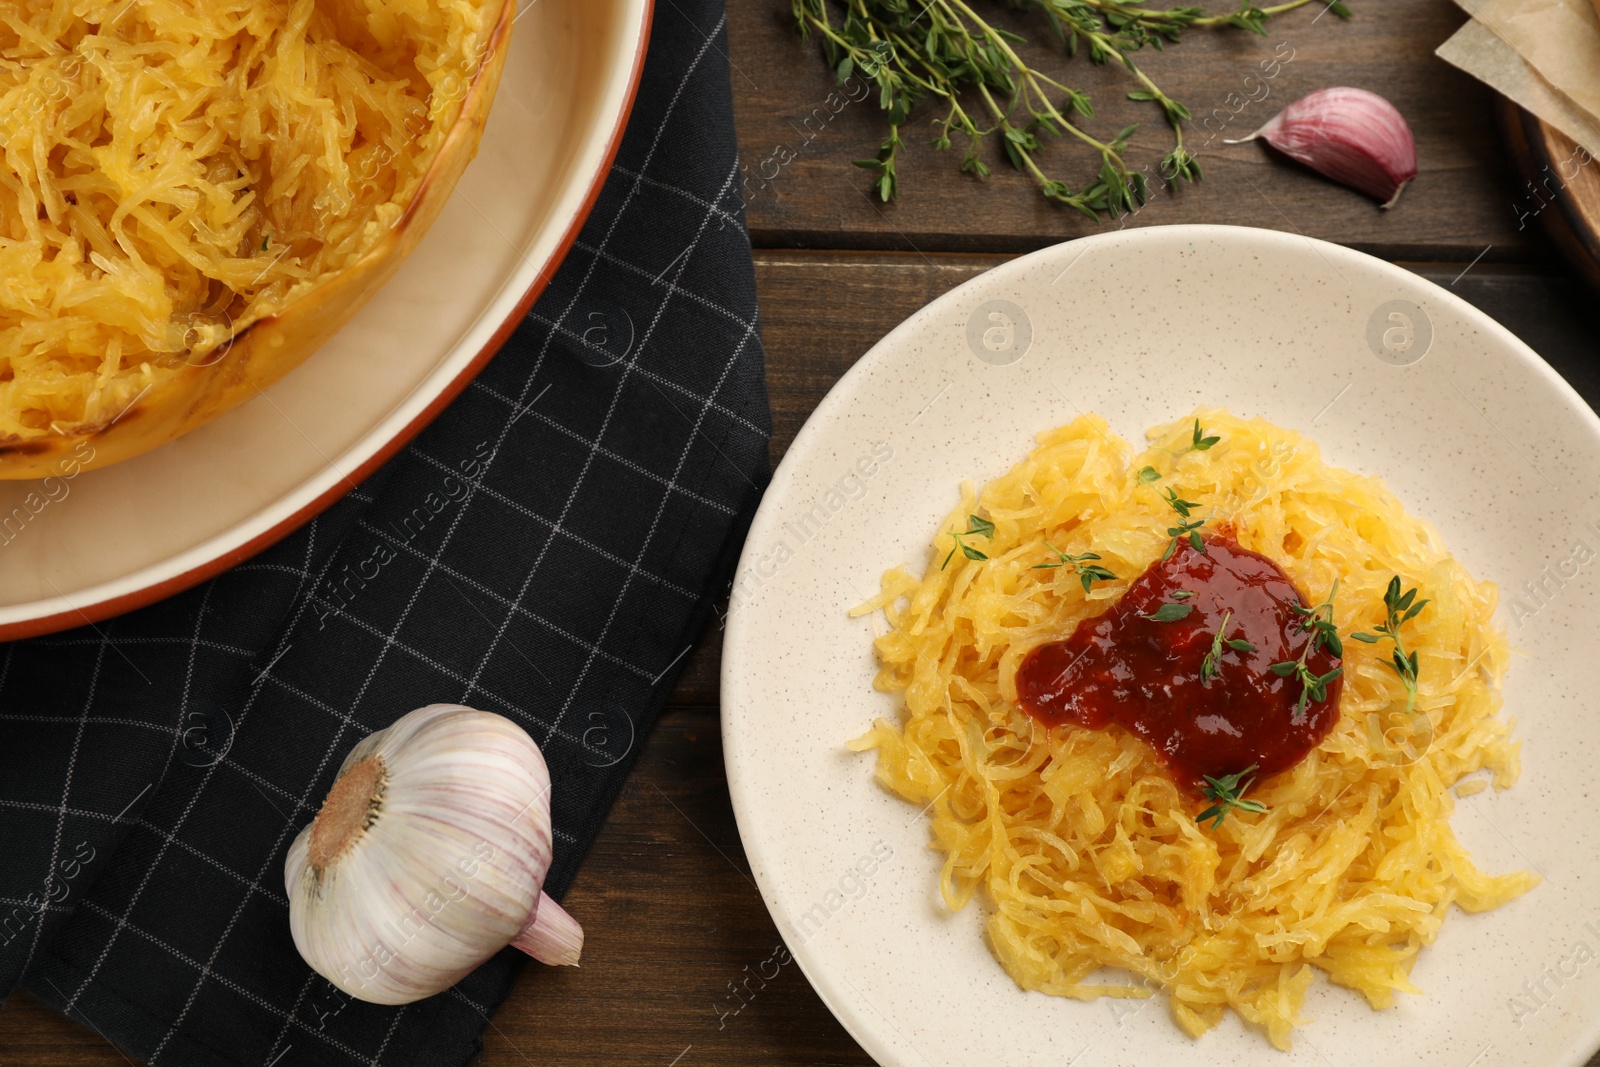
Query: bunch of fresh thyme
(946, 52)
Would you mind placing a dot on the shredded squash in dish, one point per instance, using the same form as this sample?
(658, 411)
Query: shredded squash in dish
(1090, 855)
(177, 170)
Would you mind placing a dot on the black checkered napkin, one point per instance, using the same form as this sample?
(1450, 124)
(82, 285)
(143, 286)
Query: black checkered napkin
(544, 550)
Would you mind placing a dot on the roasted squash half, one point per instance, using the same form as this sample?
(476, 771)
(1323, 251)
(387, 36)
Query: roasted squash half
(198, 193)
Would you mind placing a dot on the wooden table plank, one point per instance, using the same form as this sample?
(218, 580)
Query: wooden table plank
(1460, 205)
(820, 313)
(664, 894)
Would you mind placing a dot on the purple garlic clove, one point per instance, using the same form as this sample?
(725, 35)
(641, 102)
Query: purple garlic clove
(1353, 136)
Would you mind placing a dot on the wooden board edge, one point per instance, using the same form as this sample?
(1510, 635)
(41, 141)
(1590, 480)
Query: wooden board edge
(1543, 154)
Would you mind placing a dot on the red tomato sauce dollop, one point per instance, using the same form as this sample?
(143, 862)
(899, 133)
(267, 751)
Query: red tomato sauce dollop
(1145, 676)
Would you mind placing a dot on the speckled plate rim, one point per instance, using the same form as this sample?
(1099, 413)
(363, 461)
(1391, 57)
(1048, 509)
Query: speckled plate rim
(454, 372)
(765, 801)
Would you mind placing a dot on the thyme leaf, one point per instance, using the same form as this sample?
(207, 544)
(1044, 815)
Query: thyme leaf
(976, 527)
(1228, 792)
(1200, 442)
(1220, 645)
(1186, 530)
(1169, 613)
(1088, 574)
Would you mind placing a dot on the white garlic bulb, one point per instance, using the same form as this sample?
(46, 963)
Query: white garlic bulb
(427, 857)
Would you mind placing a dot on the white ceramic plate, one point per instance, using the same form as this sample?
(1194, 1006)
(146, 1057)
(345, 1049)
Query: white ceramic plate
(118, 538)
(1479, 435)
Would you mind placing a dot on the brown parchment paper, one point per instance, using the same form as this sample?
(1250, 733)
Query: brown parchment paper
(1476, 50)
(1542, 54)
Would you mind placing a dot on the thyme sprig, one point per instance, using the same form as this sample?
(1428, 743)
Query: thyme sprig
(1200, 442)
(945, 52)
(976, 527)
(1189, 528)
(1318, 621)
(1228, 792)
(1088, 574)
(1220, 644)
(1401, 608)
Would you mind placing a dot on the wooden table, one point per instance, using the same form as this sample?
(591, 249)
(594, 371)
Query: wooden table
(666, 898)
